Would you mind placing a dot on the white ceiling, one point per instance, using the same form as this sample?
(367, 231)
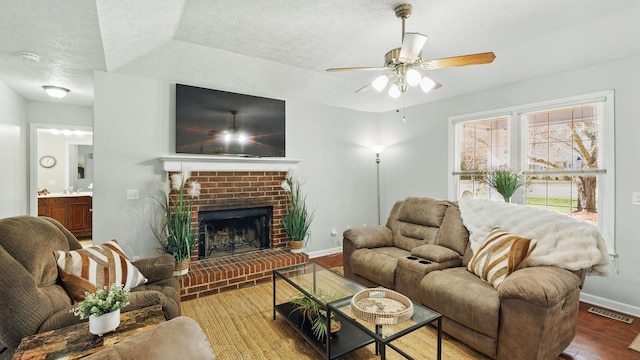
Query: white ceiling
(281, 48)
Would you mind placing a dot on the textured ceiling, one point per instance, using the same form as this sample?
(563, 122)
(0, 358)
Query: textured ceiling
(280, 48)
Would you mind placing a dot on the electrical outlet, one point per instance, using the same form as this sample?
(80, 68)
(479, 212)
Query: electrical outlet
(334, 232)
(135, 257)
(635, 198)
(133, 194)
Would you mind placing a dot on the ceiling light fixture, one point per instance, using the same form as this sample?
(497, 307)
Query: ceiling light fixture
(401, 79)
(56, 92)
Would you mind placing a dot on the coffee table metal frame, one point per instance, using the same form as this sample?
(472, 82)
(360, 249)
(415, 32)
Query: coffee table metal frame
(355, 333)
(421, 317)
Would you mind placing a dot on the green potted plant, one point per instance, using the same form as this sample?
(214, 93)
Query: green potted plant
(312, 311)
(103, 308)
(504, 181)
(297, 218)
(176, 236)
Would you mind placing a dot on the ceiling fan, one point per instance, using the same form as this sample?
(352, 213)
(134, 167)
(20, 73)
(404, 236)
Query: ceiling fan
(402, 64)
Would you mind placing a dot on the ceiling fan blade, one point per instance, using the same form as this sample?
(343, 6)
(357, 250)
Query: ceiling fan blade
(412, 45)
(464, 60)
(363, 68)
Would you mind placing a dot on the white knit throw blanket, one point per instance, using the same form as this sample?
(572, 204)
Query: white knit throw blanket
(562, 241)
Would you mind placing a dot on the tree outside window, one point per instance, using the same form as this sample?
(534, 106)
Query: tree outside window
(563, 152)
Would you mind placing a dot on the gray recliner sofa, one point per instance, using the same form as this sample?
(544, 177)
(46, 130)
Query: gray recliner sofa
(423, 251)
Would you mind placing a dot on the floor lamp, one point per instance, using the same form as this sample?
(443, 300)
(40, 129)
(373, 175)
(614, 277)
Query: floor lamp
(378, 149)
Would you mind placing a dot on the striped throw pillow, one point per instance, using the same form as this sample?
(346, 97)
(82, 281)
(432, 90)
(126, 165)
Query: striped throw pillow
(500, 255)
(96, 267)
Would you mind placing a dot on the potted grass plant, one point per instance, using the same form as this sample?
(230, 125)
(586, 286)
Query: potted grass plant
(297, 218)
(176, 236)
(504, 181)
(313, 312)
(103, 308)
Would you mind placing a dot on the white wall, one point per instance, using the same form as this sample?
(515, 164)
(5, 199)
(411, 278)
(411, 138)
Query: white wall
(338, 167)
(134, 125)
(417, 163)
(13, 153)
(55, 113)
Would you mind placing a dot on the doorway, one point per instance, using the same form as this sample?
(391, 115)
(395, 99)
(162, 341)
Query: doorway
(61, 180)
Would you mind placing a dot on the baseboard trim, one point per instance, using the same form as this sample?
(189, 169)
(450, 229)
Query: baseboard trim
(325, 252)
(610, 304)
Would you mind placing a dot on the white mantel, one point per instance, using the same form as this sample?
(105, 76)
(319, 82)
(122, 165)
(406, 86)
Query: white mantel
(181, 162)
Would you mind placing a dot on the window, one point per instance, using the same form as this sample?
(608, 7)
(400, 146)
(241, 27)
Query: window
(483, 145)
(564, 149)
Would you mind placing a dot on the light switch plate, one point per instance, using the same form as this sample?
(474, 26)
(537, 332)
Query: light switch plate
(635, 198)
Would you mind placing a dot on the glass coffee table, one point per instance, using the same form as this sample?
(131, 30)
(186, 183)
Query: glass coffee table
(313, 279)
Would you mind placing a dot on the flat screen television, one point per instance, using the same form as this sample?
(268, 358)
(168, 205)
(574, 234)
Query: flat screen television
(217, 122)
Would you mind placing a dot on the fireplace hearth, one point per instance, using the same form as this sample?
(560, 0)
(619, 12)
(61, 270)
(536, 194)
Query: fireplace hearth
(234, 231)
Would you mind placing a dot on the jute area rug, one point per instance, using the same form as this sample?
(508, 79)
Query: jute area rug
(240, 325)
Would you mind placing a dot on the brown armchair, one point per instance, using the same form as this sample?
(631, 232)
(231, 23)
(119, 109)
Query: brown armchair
(32, 297)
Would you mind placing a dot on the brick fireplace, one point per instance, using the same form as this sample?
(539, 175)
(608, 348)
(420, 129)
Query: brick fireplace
(228, 184)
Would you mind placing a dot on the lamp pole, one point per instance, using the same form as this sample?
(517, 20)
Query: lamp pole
(378, 149)
(378, 183)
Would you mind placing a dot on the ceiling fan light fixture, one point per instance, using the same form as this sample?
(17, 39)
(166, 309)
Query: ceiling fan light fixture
(227, 136)
(403, 64)
(413, 77)
(380, 82)
(394, 91)
(426, 84)
(242, 138)
(55, 92)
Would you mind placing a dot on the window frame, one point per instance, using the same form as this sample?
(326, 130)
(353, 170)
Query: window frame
(517, 150)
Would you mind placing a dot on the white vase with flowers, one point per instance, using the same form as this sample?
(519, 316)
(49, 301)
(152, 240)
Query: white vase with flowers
(102, 308)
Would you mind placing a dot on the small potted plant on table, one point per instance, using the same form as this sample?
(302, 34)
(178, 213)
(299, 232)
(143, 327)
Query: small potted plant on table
(103, 309)
(313, 312)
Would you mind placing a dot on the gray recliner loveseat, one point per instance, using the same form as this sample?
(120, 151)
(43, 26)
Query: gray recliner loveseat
(423, 252)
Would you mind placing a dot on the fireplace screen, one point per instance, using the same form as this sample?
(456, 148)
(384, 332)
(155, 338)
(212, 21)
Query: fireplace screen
(234, 231)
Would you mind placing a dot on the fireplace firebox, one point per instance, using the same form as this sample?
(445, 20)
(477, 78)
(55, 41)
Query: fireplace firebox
(234, 231)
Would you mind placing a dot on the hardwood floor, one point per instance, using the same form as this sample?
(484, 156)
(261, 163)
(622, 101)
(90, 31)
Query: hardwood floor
(597, 337)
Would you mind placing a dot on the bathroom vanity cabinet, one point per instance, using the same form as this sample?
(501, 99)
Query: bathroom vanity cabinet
(73, 212)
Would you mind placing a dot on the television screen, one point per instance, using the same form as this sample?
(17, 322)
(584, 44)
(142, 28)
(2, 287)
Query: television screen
(223, 123)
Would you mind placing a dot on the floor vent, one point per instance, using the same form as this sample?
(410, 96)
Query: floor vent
(611, 315)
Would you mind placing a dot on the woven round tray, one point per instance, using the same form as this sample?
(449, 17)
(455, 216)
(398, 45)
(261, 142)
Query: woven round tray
(381, 306)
